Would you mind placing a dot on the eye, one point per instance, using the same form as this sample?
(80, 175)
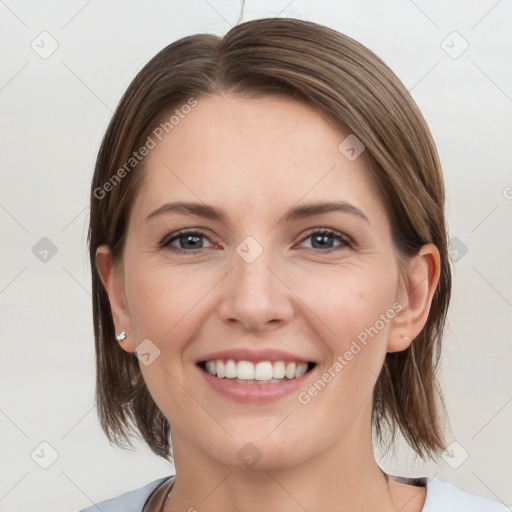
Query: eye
(187, 241)
(322, 239)
(192, 241)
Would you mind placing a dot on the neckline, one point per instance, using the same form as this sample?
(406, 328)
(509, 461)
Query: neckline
(161, 493)
(420, 481)
(157, 498)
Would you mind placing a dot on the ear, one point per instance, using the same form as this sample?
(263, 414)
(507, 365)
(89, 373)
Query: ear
(417, 291)
(113, 281)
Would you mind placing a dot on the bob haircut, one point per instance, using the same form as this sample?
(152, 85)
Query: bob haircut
(353, 87)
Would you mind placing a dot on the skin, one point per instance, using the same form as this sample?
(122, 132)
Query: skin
(257, 158)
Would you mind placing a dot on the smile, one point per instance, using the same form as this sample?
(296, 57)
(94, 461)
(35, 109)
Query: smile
(263, 372)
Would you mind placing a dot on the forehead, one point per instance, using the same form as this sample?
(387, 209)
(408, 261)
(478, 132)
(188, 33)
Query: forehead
(254, 154)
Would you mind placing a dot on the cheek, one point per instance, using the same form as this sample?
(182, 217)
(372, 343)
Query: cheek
(355, 306)
(351, 301)
(356, 352)
(163, 299)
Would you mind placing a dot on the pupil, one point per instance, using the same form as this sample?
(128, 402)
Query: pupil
(194, 238)
(322, 239)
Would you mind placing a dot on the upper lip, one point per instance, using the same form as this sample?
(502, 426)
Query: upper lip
(255, 356)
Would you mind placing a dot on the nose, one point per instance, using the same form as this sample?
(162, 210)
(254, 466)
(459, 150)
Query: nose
(256, 296)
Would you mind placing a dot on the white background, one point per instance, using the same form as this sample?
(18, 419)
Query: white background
(54, 112)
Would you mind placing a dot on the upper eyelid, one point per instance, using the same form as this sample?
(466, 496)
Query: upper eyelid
(182, 232)
(347, 240)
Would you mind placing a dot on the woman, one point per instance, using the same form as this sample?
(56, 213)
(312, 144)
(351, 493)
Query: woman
(270, 276)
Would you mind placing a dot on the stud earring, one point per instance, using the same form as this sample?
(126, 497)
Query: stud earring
(405, 337)
(121, 336)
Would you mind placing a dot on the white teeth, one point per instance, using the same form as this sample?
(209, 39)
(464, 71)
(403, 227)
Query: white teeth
(301, 369)
(220, 370)
(271, 381)
(211, 367)
(290, 370)
(278, 370)
(231, 370)
(245, 370)
(263, 372)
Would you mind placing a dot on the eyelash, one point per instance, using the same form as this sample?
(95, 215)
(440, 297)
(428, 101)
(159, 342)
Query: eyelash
(165, 243)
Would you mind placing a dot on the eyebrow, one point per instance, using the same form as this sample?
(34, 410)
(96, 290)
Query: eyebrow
(295, 213)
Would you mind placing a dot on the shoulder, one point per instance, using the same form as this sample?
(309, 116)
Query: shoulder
(444, 497)
(131, 501)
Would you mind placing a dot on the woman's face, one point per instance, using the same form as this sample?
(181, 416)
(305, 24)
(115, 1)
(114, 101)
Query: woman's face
(262, 284)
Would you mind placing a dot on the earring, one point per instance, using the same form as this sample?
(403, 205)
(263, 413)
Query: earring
(405, 337)
(121, 336)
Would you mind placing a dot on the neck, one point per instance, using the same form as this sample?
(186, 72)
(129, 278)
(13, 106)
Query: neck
(343, 478)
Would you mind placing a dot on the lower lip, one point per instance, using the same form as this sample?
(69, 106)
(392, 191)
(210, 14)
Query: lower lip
(255, 393)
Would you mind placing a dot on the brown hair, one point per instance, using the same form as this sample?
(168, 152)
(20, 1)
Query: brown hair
(354, 88)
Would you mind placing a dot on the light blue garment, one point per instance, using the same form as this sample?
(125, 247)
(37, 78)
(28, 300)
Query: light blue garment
(441, 497)
(445, 497)
(131, 501)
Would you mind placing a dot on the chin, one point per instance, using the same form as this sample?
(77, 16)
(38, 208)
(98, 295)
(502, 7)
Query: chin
(261, 453)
